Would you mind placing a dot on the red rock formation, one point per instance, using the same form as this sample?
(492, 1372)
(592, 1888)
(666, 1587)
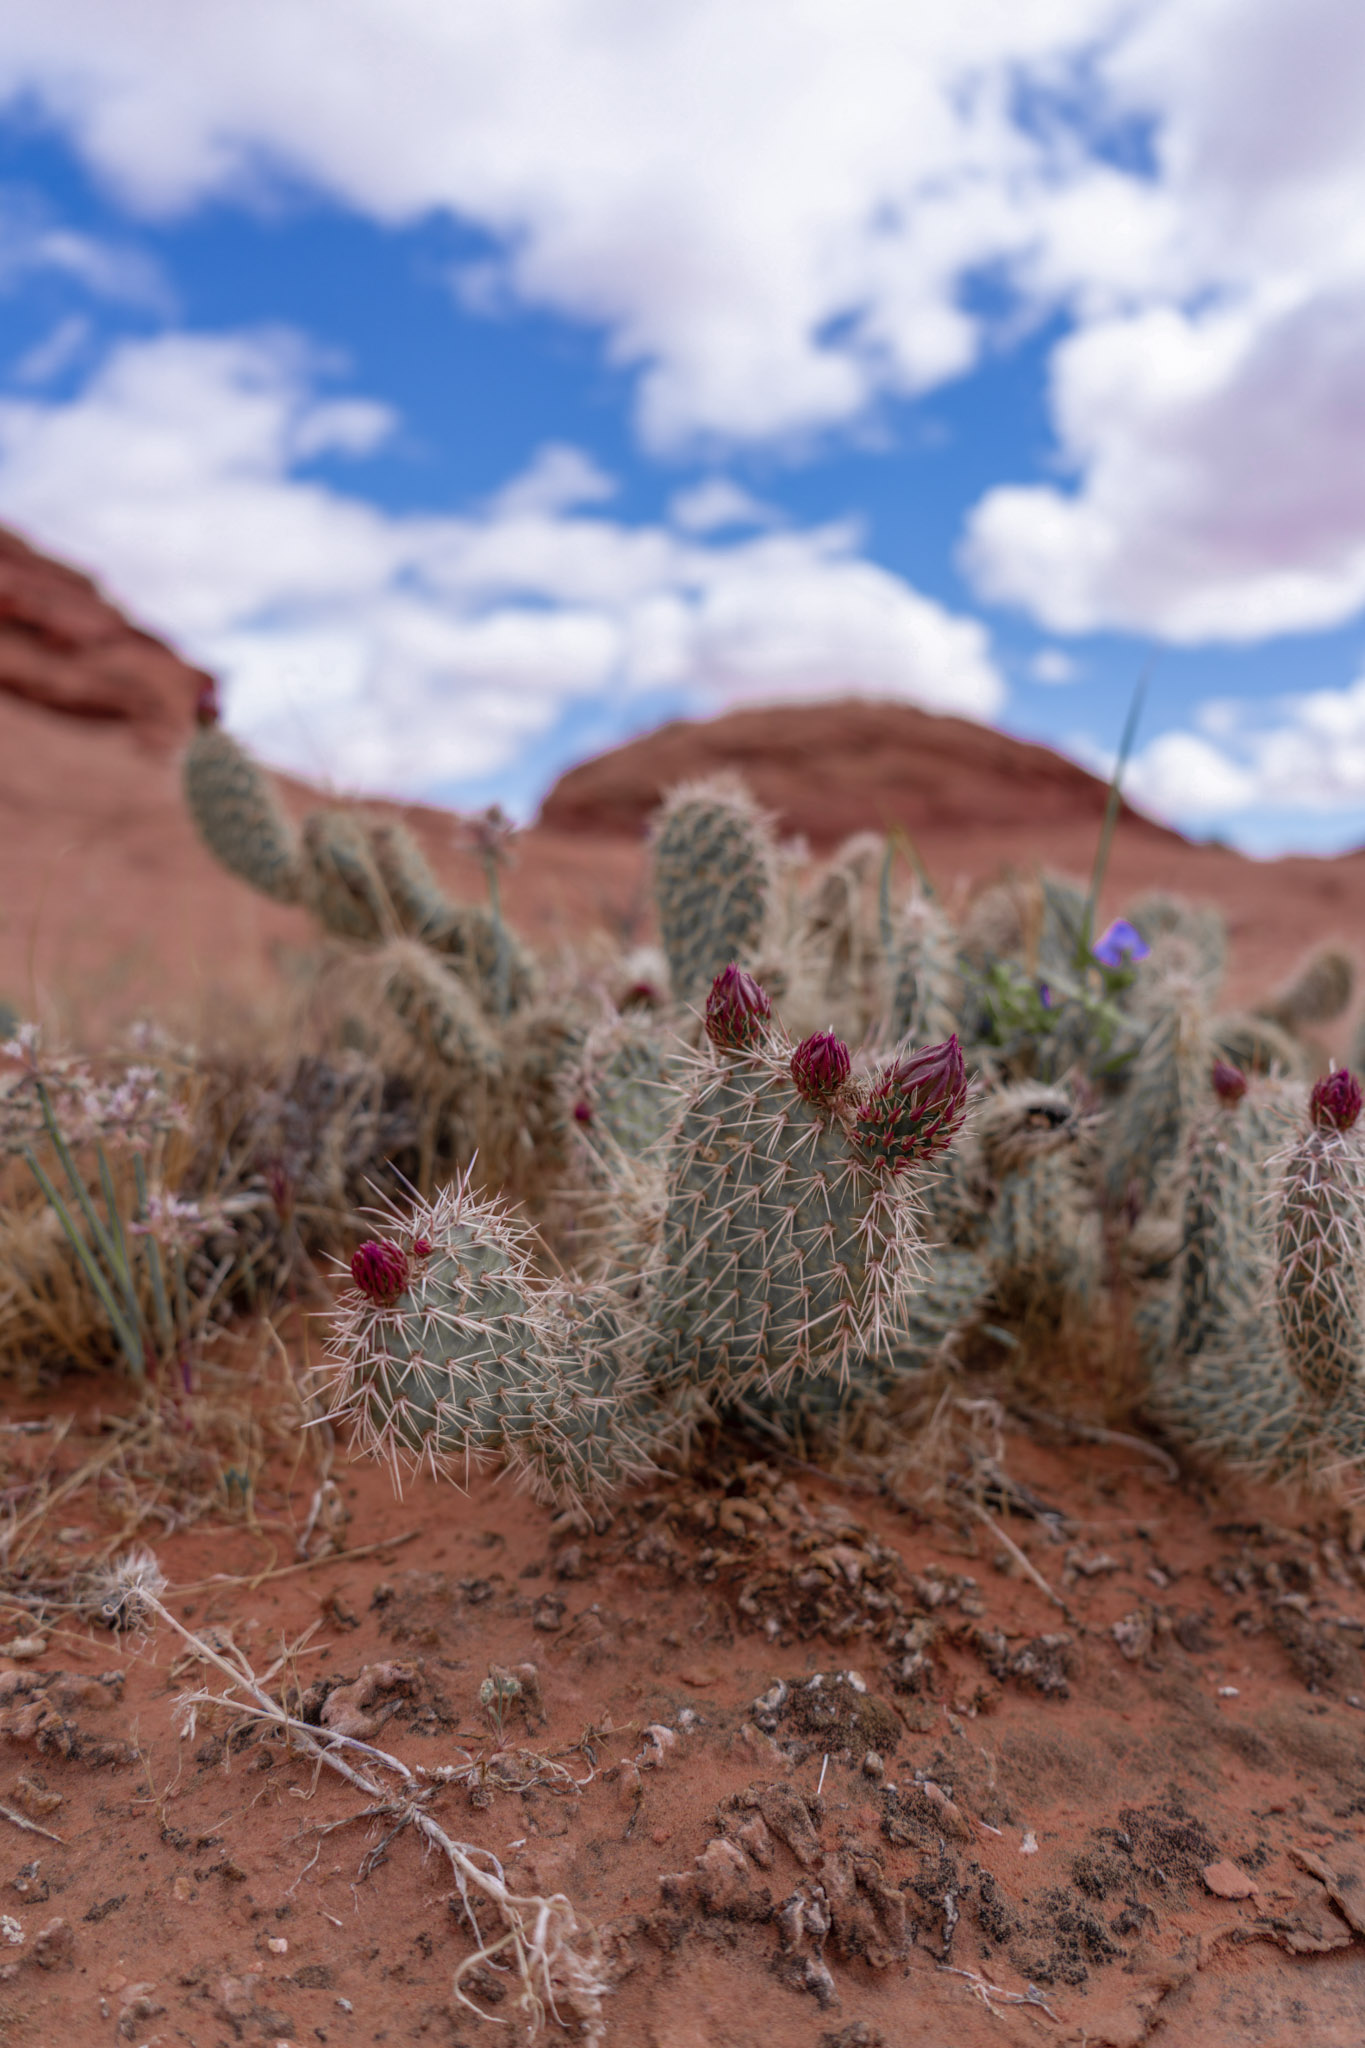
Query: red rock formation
(65, 647)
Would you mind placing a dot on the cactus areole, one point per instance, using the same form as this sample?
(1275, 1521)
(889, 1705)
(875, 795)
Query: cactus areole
(737, 1011)
(1336, 1101)
(820, 1066)
(380, 1270)
(915, 1107)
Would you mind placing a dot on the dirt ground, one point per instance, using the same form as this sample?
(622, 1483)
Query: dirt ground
(1067, 1751)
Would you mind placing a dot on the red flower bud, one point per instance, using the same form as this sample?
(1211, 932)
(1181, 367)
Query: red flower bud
(820, 1066)
(380, 1271)
(1336, 1101)
(421, 1248)
(737, 1011)
(206, 708)
(582, 1112)
(1229, 1083)
(915, 1107)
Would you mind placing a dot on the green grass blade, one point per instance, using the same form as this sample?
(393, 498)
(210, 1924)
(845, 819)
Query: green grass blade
(165, 1326)
(1111, 818)
(128, 1337)
(123, 1265)
(103, 1242)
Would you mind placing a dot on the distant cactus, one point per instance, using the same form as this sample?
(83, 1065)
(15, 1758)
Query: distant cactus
(239, 817)
(1183, 937)
(343, 887)
(1223, 1270)
(623, 1088)
(450, 1352)
(1167, 1079)
(1255, 1044)
(418, 906)
(926, 993)
(1320, 1244)
(713, 882)
(1318, 993)
(1043, 1246)
(460, 1063)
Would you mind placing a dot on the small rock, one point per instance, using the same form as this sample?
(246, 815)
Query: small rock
(277, 1945)
(53, 1944)
(1226, 1881)
(23, 1647)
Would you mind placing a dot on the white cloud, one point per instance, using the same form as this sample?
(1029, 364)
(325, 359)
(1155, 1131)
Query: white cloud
(397, 652)
(773, 215)
(56, 352)
(1304, 753)
(768, 209)
(1052, 665)
(715, 503)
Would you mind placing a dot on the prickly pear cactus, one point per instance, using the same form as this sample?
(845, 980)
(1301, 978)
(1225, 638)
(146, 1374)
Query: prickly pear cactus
(1043, 1247)
(1224, 1269)
(239, 817)
(1320, 1244)
(624, 1090)
(1149, 1123)
(449, 1352)
(713, 882)
(926, 993)
(1318, 993)
(790, 1235)
(416, 902)
(343, 887)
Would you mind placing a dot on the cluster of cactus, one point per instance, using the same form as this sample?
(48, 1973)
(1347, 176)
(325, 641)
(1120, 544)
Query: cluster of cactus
(784, 1242)
(769, 1218)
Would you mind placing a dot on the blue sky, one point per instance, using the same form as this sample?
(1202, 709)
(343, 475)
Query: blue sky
(472, 388)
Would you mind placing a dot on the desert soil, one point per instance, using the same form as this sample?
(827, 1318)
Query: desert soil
(1129, 1808)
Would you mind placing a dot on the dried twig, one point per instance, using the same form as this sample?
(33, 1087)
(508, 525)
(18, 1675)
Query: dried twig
(551, 1953)
(30, 1827)
(1025, 1564)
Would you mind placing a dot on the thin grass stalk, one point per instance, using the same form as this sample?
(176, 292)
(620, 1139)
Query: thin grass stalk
(123, 1266)
(165, 1326)
(128, 1339)
(77, 1185)
(1111, 818)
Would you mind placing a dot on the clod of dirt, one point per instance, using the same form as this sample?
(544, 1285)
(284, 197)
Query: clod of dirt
(834, 1712)
(1343, 1880)
(1226, 1881)
(1167, 1847)
(350, 1708)
(36, 1706)
(789, 1818)
(919, 1815)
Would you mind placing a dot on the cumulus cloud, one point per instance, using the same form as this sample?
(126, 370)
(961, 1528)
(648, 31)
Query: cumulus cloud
(399, 652)
(775, 215)
(1304, 752)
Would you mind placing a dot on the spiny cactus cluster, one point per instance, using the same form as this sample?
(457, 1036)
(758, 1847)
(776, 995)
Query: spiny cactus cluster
(782, 1199)
(784, 1241)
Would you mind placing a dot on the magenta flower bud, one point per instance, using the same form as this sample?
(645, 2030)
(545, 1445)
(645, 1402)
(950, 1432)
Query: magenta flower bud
(915, 1107)
(1229, 1083)
(820, 1066)
(380, 1271)
(737, 1011)
(1336, 1101)
(582, 1111)
(421, 1248)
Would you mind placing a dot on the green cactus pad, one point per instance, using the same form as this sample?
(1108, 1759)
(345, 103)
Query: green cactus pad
(713, 883)
(239, 817)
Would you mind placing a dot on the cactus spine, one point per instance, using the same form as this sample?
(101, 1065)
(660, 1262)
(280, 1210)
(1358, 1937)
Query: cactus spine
(713, 882)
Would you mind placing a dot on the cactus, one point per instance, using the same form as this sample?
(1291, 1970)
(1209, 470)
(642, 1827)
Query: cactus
(343, 887)
(789, 1240)
(1183, 937)
(1255, 1044)
(839, 941)
(526, 1145)
(926, 993)
(460, 1063)
(1320, 1244)
(416, 902)
(1224, 1266)
(1237, 1404)
(1318, 993)
(622, 1090)
(238, 816)
(450, 1352)
(1043, 1247)
(1150, 1120)
(713, 882)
